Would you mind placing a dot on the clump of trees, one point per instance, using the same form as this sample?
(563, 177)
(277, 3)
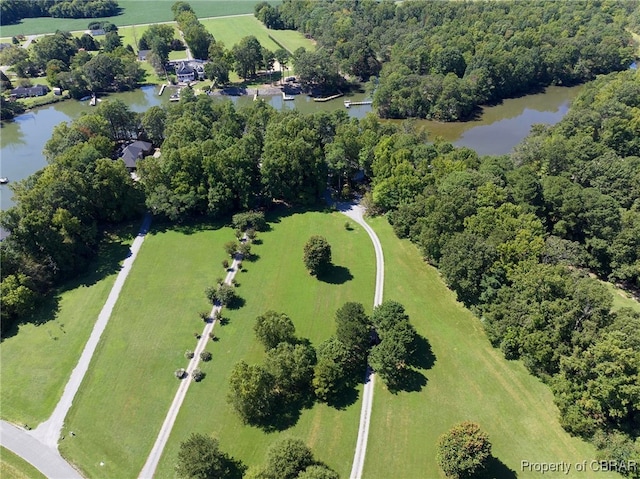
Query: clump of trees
(464, 451)
(200, 457)
(270, 395)
(65, 61)
(290, 458)
(391, 357)
(317, 255)
(196, 36)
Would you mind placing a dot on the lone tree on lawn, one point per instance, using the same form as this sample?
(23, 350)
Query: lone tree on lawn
(463, 451)
(317, 255)
(200, 457)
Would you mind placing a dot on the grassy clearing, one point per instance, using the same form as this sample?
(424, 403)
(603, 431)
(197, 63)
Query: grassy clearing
(278, 280)
(292, 39)
(232, 30)
(14, 467)
(622, 299)
(37, 358)
(130, 383)
(468, 381)
(134, 12)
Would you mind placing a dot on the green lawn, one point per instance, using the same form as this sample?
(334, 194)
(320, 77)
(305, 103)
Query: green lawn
(292, 39)
(14, 467)
(279, 281)
(135, 12)
(130, 383)
(468, 381)
(622, 299)
(36, 360)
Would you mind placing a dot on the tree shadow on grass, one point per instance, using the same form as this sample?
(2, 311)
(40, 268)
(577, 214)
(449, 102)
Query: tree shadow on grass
(344, 398)
(335, 275)
(496, 469)
(411, 379)
(423, 356)
(287, 412)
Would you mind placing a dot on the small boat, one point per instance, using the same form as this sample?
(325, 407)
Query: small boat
(4, 180)
(175, 97)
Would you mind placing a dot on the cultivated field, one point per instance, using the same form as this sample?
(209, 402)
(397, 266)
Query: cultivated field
(279, 281)
(469, 380)
(36, 363)
(14, 467)
(135, 12)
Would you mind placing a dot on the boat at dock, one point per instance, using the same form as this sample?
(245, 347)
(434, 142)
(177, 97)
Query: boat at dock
(4, 180)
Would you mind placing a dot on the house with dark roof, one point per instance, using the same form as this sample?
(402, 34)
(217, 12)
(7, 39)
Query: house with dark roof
(134, 152)
(142, 55)
(190, 71)
(25, 92)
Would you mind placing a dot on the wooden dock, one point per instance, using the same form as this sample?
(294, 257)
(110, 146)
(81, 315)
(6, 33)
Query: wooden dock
(349, 103)
(332, 97)
(286, 97)
(255, 97)
(164, 85)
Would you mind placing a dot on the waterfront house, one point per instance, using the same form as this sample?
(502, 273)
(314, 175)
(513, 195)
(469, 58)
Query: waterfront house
(25, 92)
(134, 152)
(189, 71)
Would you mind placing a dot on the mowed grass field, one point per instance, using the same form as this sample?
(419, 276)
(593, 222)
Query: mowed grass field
(134, 12)
(279, 281)
(469, 380)
(14, 467)
(37, 358)
(130, 384)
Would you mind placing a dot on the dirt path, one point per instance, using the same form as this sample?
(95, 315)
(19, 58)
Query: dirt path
(356, 213)
(153, 459)
(42, 442)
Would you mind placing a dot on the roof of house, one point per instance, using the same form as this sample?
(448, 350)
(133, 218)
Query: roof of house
(142, 54)
(134, 152)
(37, 90)
(184, 69)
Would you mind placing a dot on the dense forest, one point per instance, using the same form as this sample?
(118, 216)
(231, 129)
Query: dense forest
(440, 60)
(12, 11)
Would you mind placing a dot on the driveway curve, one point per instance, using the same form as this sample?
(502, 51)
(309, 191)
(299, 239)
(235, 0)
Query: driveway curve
(40, 446)
(356, 213)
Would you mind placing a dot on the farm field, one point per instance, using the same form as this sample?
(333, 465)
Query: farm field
(14, 467)
(130, 382)
(279, 281)
(135, 12)
(32, 383)
(469, 380)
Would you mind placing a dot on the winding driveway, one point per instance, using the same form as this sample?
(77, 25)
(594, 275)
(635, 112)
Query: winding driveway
(356, 213)
(40, 446)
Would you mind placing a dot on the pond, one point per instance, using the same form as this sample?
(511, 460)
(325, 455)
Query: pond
(496, 131)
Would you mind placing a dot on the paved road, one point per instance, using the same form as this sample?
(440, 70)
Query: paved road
(40, 446)
(44, 458)
(356, 213)
(150, 466)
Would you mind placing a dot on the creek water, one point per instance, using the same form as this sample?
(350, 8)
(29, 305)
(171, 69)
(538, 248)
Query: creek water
(496, 131)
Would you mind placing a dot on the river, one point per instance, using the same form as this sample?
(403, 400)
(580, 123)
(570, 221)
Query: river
(495, 132)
